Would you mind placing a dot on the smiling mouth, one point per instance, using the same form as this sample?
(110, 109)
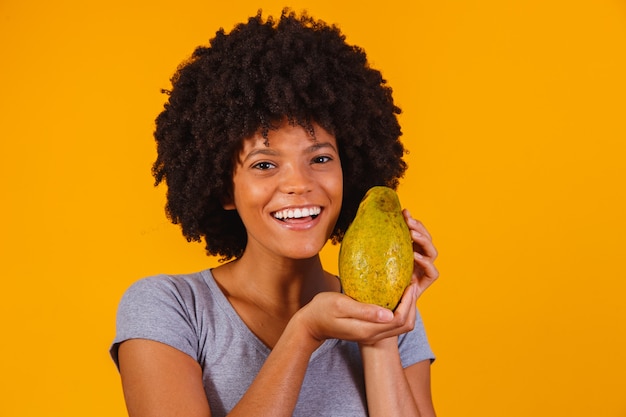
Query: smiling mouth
(298, 213)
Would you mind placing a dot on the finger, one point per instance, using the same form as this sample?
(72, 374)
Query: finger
(425, 274)
(425, 262)
(426, 266)
(365, 312)
(407, 304)
(404, 314)
(379, 316)
(423, 245)
(422, 240)
(415, 224)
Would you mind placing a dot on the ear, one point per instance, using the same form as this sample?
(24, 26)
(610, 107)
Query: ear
(228, 203)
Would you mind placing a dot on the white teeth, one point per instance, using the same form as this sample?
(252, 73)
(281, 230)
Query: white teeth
(297, 213)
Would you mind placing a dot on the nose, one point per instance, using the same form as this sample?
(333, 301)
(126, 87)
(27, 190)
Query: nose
(295, 180)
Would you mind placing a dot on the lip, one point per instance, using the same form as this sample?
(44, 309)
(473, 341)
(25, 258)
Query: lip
(298, 223)
(296, 212)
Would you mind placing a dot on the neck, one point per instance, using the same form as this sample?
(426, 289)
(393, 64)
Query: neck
(283, 285)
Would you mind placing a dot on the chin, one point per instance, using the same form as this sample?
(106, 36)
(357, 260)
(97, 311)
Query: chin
(304, 253)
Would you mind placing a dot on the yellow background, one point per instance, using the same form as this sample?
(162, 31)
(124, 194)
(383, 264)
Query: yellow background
(514, 113)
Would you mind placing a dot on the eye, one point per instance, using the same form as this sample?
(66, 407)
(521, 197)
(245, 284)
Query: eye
(321, 159)
(263, 165)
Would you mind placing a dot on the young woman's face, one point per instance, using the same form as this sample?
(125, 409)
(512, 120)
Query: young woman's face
(288, 194)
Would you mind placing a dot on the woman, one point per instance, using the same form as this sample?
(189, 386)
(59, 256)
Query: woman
(269, 140)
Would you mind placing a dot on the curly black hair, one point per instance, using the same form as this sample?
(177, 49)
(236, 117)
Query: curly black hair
(295, 68)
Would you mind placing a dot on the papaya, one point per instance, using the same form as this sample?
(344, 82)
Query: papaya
(376, 253)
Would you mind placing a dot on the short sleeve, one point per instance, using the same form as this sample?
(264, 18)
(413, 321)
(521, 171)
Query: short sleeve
(414, 346)
(154, 308)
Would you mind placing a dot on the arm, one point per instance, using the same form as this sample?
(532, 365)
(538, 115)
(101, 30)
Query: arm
(159, 380)
(328, 315)
(280, 379)
(418, 376)
(392, 390)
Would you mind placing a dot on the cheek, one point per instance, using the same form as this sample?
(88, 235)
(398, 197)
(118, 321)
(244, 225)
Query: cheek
(339, 188)
(249, 195)
(338, 182)
(334, 186)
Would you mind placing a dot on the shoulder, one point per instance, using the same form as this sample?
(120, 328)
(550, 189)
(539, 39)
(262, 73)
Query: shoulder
(164, 308)
(163, 287)
(166, 300)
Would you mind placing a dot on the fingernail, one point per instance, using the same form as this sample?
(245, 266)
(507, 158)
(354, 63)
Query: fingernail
(385, 315)
(418, 255)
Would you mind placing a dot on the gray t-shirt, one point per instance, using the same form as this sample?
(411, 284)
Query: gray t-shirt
(191, 314)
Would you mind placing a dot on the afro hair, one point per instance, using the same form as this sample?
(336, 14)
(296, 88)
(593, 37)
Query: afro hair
(295, 68)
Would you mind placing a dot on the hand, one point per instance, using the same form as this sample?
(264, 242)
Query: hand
(424, 254)
(332, 315)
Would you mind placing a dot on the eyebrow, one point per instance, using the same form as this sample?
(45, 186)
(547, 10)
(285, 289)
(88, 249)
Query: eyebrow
(271, 152)
(259, 151)
(320, 145)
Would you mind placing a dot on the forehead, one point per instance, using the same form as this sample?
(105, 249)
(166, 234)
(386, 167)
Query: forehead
(288, 137)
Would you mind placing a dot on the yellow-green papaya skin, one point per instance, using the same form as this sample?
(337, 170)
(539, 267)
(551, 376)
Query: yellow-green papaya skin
(376, 253)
